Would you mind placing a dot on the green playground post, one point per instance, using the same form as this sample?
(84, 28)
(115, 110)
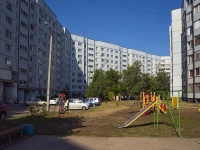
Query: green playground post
(179, 116)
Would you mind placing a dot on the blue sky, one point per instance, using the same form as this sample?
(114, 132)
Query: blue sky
(141, 25)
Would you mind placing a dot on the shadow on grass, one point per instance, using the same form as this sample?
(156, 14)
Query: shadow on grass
(148, 124)
(44, 125)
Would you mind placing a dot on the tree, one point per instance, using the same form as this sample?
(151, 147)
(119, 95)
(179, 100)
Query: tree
(112, 81)
(98, 85)
(162, 81)
(131, 80)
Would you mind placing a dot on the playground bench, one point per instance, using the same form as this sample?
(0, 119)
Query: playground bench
(11, 131)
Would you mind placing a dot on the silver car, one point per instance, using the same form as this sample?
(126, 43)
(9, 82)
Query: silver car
(35, 100)
(54, 101)
(76, 104)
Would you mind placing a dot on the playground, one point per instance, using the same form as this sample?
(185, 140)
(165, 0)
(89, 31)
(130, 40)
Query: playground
(110, 117)
(103, 121)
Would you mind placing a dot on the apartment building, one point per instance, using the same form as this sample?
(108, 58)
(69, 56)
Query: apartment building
(26, 27)
(191, 49)
(88, 55)
(8, 52)
(175, 31)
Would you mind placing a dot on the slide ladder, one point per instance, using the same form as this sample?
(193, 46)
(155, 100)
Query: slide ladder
(135, 117)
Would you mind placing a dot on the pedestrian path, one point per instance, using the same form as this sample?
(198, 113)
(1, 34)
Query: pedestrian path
(42, 142)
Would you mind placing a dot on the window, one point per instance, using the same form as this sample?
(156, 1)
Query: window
(191, 73)
(8, 61)
(196, 24)
(79, 50)
(91, 49)
(197, 71)
(39, 61)
(30, 80)
(31, 27)
(24, 24)
(190, 45)
(197, 40)
(189, 31)
(189, 16)
(9, 20)
(22, 70)
(32, 6)
(23, 35)
(39, 51)
(90, 54)
(22, 58)
(8, 47)
(190, 59)
(25, 3)
(197, 9)
(8, 34)
(24, 13)
(79, 44)
(22, 47)
(197, 56)
(9, 6)
(31, 37)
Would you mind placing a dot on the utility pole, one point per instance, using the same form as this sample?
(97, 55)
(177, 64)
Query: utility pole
(49, 73)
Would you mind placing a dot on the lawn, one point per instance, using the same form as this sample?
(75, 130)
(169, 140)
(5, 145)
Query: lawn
(104, 120)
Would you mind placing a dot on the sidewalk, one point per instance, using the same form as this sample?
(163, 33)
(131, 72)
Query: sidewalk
(42, 142)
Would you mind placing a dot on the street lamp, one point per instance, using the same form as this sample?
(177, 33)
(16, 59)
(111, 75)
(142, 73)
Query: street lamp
(49, 73)
(89, 71)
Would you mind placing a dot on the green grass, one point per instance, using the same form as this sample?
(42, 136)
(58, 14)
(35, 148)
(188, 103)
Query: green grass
(104, 120)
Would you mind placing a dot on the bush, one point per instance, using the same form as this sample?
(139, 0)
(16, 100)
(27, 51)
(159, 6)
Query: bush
(111, 96)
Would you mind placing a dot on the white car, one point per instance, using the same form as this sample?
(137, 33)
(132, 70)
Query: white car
(76, 104)
(35, 100)
(54, 101)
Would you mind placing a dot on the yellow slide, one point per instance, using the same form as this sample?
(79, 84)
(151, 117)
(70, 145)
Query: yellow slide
(138, 115)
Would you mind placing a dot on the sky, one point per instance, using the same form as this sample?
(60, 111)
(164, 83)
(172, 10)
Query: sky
(136, 24)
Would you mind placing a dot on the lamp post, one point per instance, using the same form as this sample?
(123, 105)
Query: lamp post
(89, 72)
(49, 73)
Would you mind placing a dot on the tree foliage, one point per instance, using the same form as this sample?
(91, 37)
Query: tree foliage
(130, 82)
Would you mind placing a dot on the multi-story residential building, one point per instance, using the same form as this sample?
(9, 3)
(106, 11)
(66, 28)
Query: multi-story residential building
(191, 50)
(175, 31)
(26, 27)
(8, 51)
(88, 55)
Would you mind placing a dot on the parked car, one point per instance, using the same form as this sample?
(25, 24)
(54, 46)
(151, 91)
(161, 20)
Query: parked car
(54, 101)
(94, 100)
(76, 104)
(35, 100)
(3, 110)
(88, 101)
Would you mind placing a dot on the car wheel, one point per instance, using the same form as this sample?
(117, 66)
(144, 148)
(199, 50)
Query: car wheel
(83, 108)
(66, 108)
(44, 105)
(2, 116)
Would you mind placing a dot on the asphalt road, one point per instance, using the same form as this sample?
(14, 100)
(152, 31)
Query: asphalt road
(14, 110)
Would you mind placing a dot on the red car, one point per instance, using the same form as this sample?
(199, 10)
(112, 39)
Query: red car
(3, 111)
